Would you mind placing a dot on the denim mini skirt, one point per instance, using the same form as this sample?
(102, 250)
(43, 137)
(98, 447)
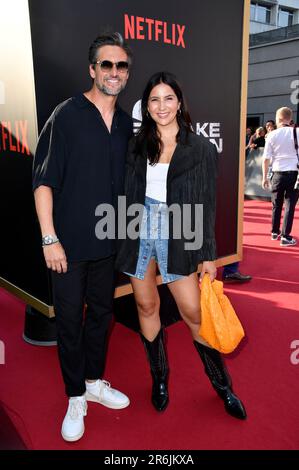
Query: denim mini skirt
(154, 240)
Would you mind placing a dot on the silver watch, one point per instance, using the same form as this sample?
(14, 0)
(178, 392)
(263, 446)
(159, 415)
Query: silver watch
(49, 240)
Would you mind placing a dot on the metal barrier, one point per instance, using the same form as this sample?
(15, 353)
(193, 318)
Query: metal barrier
(274, 35)
(254, 175)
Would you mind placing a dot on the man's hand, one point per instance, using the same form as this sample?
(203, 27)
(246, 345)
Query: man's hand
(265, 183)
(55, 257)
(208, 267)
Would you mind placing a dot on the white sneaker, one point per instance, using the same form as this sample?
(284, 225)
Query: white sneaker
(105, 395)
(73, 423)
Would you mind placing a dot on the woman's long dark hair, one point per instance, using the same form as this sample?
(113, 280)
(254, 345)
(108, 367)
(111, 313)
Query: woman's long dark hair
(148, 140)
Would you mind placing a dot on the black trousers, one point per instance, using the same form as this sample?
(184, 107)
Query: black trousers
(82, 336)
(283, 191)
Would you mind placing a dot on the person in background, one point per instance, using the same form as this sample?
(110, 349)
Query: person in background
(280, 149)
(270, 126)
(169, 164)
(231, 273)
(79, 164)
(257, 139)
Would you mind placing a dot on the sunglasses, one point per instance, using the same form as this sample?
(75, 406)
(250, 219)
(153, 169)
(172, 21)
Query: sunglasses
(106, 65)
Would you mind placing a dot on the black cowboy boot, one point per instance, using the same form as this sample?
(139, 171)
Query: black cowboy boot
(156, 355)
(220, 380)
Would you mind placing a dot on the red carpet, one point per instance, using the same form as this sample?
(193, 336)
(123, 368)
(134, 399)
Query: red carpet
(32, 390)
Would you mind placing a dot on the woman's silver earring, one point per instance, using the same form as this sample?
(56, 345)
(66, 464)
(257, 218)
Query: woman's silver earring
(179, 112)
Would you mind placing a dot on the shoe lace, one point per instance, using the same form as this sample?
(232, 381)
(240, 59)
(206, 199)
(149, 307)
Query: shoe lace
(77, 408)
(106, 384)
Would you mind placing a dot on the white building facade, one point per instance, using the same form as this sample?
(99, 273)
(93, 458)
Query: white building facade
(273, 79)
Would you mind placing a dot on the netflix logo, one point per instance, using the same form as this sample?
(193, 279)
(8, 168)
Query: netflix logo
(14, 137)
(148, 29)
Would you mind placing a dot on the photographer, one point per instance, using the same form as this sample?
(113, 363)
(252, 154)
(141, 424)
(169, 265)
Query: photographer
(282, 149)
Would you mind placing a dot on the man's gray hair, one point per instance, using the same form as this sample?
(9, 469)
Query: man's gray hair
(108, 39)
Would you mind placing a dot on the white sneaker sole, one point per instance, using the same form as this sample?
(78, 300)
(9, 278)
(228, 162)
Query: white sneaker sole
(108, 404)
(73, 438)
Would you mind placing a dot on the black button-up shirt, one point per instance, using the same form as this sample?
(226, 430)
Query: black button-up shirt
(84, 163)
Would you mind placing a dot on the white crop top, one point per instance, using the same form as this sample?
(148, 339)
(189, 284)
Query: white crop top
(156, 177)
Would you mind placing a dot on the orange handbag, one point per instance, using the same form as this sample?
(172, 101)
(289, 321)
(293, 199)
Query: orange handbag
(220, 326)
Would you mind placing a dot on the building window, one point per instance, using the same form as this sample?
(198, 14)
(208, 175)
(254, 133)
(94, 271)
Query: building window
(285, 18)
(263, 14)
(260, 13)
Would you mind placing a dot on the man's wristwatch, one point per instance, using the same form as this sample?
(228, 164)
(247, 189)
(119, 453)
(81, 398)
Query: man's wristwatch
(49, 240)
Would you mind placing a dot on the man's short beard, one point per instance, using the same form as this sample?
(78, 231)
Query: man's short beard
(108, 91)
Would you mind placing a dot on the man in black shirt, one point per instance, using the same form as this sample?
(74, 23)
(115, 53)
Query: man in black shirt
(79, 164)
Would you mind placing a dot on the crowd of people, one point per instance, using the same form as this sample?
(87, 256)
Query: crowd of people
(257, 138)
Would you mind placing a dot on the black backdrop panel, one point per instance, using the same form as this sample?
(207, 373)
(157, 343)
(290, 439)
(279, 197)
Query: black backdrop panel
(22, 262)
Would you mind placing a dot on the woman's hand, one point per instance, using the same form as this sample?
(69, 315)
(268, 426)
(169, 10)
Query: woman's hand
(208, 267)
